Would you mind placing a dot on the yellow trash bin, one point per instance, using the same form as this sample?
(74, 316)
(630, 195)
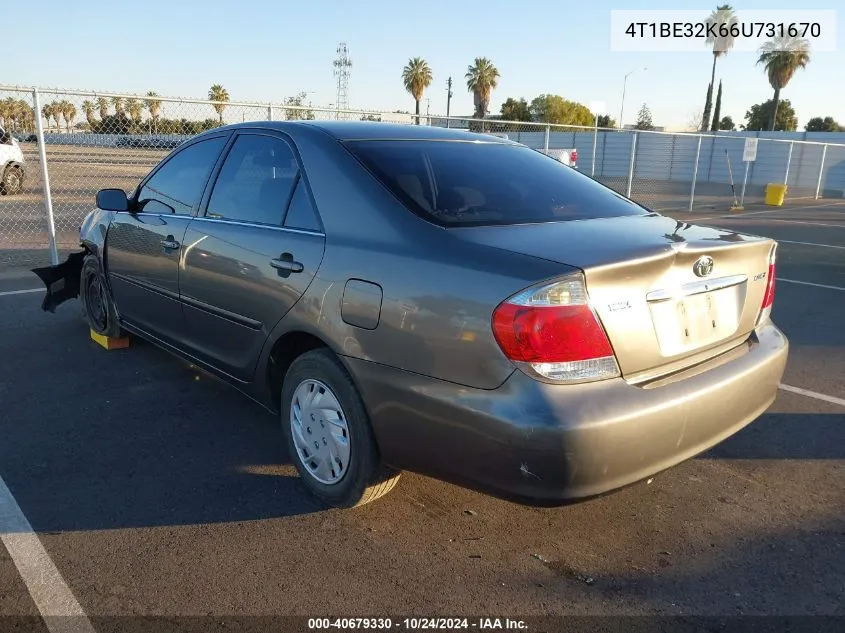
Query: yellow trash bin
(775, 193)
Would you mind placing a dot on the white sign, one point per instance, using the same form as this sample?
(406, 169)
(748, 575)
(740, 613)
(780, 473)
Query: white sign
(598, 107)
(749, 152)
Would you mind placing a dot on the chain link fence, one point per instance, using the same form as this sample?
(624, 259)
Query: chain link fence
(90, 141)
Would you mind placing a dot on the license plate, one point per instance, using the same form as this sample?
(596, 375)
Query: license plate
(695, 321)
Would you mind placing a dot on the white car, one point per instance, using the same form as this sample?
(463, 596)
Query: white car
(12, 170)
(566, 156)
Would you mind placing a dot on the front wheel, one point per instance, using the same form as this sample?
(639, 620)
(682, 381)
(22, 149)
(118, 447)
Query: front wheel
(12, 181)
(97, 307)
(328, 433)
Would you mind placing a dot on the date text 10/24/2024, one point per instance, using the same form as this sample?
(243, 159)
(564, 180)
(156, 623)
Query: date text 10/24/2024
(416, 624)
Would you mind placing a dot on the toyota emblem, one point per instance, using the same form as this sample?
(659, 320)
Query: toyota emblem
(703, 266)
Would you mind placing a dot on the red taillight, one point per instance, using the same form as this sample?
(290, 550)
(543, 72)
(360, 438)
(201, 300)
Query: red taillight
(769, 294)
(573, 156)
(769, 297)
(553, 331)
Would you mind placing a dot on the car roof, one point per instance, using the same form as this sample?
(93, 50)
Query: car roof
(375, 130)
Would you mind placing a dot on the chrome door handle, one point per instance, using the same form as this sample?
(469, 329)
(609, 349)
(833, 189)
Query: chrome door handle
(287, 265)
(170, 243)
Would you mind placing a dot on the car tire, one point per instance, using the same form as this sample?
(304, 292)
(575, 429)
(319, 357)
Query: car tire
(98, 309)
(12, 181)
(363, 478)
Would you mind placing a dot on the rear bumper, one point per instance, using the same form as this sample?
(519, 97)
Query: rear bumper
(547, 444)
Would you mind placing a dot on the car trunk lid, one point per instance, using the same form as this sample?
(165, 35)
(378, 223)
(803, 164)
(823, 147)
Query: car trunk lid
(669, 294)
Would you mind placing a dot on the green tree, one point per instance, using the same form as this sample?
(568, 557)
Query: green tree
(717, 111)
(103, 104)
(605, 121)
(219, 94)
(154, 107)
(371, 117)
(708, 102)
(482, 78)
(416, 76)
(719, 38)
(295, 113)
(757, 117)
(8, 108)
(727, 124)
(117, 102)
(644, 121)
(826, 124)
(782, 57)
(556, 109)
(515, 110)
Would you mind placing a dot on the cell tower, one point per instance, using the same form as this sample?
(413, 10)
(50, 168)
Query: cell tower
(342, 64)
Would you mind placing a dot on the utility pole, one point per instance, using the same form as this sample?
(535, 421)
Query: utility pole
(448, 99)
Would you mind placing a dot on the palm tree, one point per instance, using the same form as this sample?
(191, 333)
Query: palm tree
(722, 19)
(482, 77)
(88, 109)
(153, 105)
(68, 111)
(103, 105)
(47, 112)
(117, 102)
(135, 109)
(218, 93)
(782, 56)
(417, 77)
(57, 112)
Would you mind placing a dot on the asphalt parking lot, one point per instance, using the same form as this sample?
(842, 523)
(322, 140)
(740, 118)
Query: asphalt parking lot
(157, 491)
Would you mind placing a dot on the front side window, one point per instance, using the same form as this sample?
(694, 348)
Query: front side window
(465, 183)
(255, 181)
(180, 181)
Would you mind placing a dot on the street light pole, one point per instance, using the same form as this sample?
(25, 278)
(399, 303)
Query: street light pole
(624, 87)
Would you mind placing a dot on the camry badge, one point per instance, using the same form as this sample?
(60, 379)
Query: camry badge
(703, 266)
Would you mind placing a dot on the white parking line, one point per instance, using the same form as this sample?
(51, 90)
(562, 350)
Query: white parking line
(836, 226)
(813, 394)
(20, 292)
(811, 244)
(741, 214)
(51, 595)
(807, 283)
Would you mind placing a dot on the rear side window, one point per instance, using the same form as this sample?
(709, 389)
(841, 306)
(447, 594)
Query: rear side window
(457, 183)
(255, 181)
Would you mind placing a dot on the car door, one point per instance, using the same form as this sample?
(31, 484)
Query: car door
(144, 245)
(251, 253)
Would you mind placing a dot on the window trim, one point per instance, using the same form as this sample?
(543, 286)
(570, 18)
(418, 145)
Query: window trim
(202, 209)
(194, 206)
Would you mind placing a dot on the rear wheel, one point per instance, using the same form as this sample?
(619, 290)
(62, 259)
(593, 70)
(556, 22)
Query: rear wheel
(97, 307)
(328, 433)
(12, 181)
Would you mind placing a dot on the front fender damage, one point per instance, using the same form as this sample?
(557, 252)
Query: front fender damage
(62, 281)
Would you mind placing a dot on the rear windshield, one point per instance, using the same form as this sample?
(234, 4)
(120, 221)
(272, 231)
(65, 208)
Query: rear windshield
(458, 183)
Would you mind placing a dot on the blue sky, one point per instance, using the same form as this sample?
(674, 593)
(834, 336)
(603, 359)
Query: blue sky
(262, 50)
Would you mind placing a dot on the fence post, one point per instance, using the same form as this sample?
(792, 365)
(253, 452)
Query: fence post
(595, 143)
(546, 142)
(45, 179)
(821, 171)
(695, 173)
(788, 161)
(269, 112)
(631, 166)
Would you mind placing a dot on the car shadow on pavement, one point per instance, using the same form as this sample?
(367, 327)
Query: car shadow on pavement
(792, 436)
(134, 437)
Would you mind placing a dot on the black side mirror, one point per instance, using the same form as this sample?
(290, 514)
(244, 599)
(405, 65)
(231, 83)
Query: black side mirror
(112, 200)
